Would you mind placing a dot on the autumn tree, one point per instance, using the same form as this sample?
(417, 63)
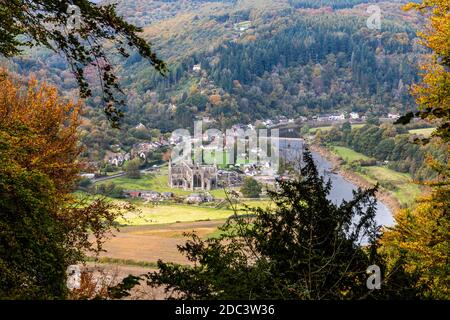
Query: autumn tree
(421, 239)
(421, 236)
(83, 35)
(43, 227)
(433, 94)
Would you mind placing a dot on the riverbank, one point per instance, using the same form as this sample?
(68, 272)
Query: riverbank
(383, 196)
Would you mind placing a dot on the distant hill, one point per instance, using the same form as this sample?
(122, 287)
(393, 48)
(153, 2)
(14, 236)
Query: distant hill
(255, 59)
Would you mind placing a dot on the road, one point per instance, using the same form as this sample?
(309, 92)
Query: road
(118, 175)
(109, 177)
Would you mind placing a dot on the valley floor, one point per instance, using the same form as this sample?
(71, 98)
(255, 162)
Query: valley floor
(155, 231)
(135, 251)
(145, 245)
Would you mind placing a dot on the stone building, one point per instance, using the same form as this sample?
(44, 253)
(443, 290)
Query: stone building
(192, 177)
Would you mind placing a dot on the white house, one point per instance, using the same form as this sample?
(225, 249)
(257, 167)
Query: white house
(340, 117)
(393, 116)
(117, 159)
(197, 68)
(267, 123)
(88, 175)
(151, 196)
(140, 126)
(354, 116)
(198, 198)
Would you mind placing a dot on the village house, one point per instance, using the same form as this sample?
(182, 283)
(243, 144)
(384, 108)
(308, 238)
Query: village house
(148, 195)
(118, 159)
(132, 193)
(268, 123)
(141, 150)
(393, 116)
(354, 116)
(329, 117)
(339, 117)
(198, 198)
(151, 196)
(140, 126)
(175, 140)
(167, 195)
(172, 107)
(88, 175)
(197, 68)
(242, 26)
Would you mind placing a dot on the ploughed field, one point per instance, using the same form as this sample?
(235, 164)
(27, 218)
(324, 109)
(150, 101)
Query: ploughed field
(143, 246)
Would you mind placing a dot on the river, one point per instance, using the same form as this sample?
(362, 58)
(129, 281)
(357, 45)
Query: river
(341, 188)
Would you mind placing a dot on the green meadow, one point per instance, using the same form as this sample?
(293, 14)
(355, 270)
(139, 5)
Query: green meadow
(167, 212)
(425, 132)
(328, 128)
(348, 154)
(399, 185)
(158, 182)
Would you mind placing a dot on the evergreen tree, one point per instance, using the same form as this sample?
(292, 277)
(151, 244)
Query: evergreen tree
(306, 247)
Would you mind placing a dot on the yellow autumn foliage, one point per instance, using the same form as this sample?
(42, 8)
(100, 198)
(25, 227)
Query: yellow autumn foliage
(421, 236)
(433, 94)
(51, 142)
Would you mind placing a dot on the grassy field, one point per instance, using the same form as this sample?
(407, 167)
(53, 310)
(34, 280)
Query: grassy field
(348, 154)
(328, 128)
(171, 213)
(400, 185)
(426, 132)
(144, 245)
(405, 190)
(223, 159)
(123, 262)
(165, 214)
(358, 126)
(257, 204)
(324, 129)
(158, 182)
